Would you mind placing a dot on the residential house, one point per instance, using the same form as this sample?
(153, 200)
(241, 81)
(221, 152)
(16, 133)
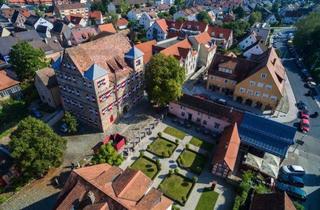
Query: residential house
(96, 17)
(76, 20)
(108, 28)
(188, 13)
(222, 36)
(18, 20)
(256, 133)
(257, 82)
(41, 25)
(182, 50)
(62, 32)
(161, 2)
(77, 8)
(248, 40)
(255, 49)
(101, 79)
(114, 5)
(109, 187)
(122, 24)
(158, 30)
(226, 152)
(262, 31)
(226, 5)
(147, 19)
(271, 201)
(34, 2)
(47, 86)
(206, 48)
(79, 35)
(9, 87)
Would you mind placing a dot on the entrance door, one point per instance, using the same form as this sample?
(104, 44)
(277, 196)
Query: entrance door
(189, 116)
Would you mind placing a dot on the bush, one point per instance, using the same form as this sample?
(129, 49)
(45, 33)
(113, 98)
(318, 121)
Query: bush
(177, 141)
(141, 153)
(148, 147)
(184, 199)
(187, 146)
(198, 170)
(181, 160)
(176, 171)
(174, 207)
(170, 172)
(237, 203)
(160, 134)
(163, 154)
(194, 179)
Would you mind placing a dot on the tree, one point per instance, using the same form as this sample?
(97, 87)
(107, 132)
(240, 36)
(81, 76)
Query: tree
(172, 10)
(36, 148)
(26, 60)
(239, 11)
(71, 122)
(179, 4)
(123, 7)
(203, 16)
(164, 78)
(255, 17)
(98, 6)
(239, 27)
(107, 154)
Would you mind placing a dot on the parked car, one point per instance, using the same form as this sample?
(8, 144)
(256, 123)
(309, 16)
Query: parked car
(304, 125)
(296, 181)
(292, 191)
(301, 105)
(311, 84)
(221, 101)
(295, 170)
(36, 113)
(304, 114)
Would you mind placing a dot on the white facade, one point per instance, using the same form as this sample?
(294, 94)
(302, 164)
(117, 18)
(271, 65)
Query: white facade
(190, 63)
(254, 50)
(111, 8)
(169, 2)
(189, 17)
(249, 40)
(155, 32)
(146, 21)
(134, 15)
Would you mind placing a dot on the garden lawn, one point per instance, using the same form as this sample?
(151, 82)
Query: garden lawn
(162, 147)
(201, 144)
(207, 200)
(174, 132)
(192, 161)
(176, 187)
(146, 165)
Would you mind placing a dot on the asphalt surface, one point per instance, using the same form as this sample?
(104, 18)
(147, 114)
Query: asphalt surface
(298, 85)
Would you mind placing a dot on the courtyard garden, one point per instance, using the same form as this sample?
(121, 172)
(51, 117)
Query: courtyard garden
(201, 144)
(162, 147)
(177, 187)
(192, 161)
(174, 132)
(207, 200)
(148, 166)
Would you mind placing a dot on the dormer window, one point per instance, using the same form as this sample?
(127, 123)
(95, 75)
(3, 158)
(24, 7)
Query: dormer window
(263, 75)
(225, 70)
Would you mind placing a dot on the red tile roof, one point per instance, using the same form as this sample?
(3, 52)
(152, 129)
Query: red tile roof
(162, 24)
(195, 26)
(6, 81)
(96, 15)
(272, 201)
(203, 38)
(178, 50)
(108, 27)
(122, 22)
(146, 48)
(228, 147)
(215, 31)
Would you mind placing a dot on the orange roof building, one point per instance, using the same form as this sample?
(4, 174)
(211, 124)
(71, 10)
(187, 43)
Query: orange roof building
(146, 48)
(272, 201)
(109, 187)
(108, 27)
(8, 86)
(226, 153)
(122, 23)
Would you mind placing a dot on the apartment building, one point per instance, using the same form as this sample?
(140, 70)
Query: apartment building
(77, 8)
(257, 82)
(101, 79)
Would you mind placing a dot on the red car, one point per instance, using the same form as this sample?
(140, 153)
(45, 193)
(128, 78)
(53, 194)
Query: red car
(305, 125)
(304, 114)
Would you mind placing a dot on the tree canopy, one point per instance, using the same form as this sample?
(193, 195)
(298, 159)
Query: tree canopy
(203, 16)
(164, 78)
(26, 60)
(107, 154)
(172, 10)
(255, 17)
(71, 122)
(307, 39)
(239, 11)
(239, 27)
(36, 147)
(124, 7)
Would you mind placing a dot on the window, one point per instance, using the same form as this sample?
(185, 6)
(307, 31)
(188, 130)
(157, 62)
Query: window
(138, 62)
(263, 76)
(273, 98)
(242, 90)
(265, 95)
(182, 114)
(258, 93)
(250, 92)
(260, 84)
(226, 81)
(216, 125)
(204, 122)
(252, 83)
(268, 87)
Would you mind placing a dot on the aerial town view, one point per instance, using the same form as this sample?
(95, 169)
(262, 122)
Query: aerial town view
(159, 104)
